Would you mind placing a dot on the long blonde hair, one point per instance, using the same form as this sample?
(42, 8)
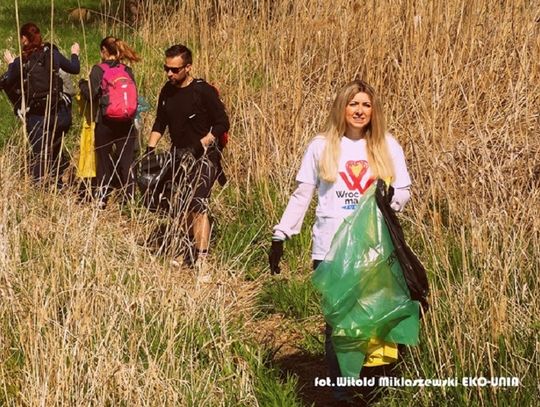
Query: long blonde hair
(379, 159)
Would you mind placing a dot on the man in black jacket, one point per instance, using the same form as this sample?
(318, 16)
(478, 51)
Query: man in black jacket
(195, 116)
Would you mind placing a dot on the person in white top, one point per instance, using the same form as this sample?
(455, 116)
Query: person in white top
(341, 163)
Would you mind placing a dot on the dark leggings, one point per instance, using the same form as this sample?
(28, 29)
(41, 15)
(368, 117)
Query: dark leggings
(330, 354)
(45, 135)
(115, 148)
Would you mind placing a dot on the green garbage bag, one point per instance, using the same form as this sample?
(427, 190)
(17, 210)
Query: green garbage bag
(364, 293)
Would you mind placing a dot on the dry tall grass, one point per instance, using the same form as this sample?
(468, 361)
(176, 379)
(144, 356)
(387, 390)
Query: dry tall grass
(461, 86)
(90, 318)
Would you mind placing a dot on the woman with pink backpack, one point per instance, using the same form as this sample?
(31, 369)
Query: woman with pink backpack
(112, 91)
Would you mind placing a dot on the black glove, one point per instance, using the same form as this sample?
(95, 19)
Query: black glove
(149, 150)
(275, 255)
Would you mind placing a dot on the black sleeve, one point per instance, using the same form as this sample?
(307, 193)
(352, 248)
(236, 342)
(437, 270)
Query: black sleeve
(216, 110)
(160, 124)
(84, 88)
(70, 66)
(14, 72)
(91, 89)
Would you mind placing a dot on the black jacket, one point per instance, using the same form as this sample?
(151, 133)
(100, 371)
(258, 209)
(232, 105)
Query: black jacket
(190, 113)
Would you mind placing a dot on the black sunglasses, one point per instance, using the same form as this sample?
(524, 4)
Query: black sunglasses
(173, 69)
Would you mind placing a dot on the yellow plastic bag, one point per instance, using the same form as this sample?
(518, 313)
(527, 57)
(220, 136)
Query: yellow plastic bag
(87, 157)
(380, 353)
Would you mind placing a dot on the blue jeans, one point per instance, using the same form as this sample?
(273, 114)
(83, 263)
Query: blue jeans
(45, 136)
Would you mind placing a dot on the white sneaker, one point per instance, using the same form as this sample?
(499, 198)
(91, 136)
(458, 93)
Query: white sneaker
(204, 279)
(204, 275)
(175, 263)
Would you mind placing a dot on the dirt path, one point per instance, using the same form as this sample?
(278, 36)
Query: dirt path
(283, 337)
(293, 354)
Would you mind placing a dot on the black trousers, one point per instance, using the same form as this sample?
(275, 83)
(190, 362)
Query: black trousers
(115, 152)
(329, 352)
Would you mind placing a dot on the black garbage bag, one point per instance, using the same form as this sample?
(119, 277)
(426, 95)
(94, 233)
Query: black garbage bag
(413, 270)
(154, 180)
(165, 180)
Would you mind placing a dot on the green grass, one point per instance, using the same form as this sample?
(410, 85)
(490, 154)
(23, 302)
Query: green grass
(295, 298)
(237, 242)
(312, 344)
(39, 12)
(246, 244)
(272, 390)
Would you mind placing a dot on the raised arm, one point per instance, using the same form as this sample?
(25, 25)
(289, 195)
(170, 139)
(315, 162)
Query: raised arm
(72, 65)
(14, 68)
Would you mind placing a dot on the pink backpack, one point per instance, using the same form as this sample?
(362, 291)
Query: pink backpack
(118, 93)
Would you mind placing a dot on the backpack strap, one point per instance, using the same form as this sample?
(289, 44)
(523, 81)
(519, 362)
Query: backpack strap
(197, 87)
(199, 83)
(45, 56)
(104, 66)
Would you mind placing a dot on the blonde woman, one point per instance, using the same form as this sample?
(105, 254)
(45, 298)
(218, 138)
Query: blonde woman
(341, 163)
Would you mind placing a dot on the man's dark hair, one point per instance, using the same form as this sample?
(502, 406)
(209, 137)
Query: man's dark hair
(180, 50)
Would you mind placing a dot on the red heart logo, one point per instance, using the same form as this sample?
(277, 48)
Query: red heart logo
(355, 173)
